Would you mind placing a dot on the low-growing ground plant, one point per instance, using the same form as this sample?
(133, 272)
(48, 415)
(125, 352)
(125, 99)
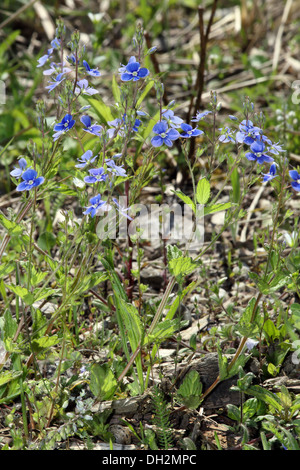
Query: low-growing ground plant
(72, 253)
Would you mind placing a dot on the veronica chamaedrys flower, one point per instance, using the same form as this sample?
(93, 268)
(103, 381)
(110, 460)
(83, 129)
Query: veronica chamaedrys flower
(295, 177)
(96, 175)
(64, 126)
(272, 173)
(56, 68)
(133, 71)
(172, 120)
(226, 135)
(164, 134)
(251, 343)
(122, 210)
(85, 159)
(116, 169)
(257, 149)
(91, 72)
(123, 67)
(42, 60)
(188, 131)
(199, 116)
(275, 148)
(247, 133)
(30, 180)
(57, 81)
(96, 203)
(84, 88)
(94, 129)
(17, 172)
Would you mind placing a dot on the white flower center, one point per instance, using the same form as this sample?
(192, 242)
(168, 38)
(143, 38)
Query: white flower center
(30, 181)
(163, 135)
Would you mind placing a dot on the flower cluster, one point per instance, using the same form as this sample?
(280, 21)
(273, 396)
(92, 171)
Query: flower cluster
(261, 149)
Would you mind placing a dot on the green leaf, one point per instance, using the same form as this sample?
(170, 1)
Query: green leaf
(236, 188)
(163, 330)
(40, 344)
(101, 109)
(132, 323)
(145, 92)
(12, 227)
(116, 90)
(182, 266)
(189, 392)
(21, 292)
(203, 191)
(46, 241)
(223, 365)
(247, 326)
(186, 199)
(265, 395)
(8, 376)
(216, 208)
(102, 382)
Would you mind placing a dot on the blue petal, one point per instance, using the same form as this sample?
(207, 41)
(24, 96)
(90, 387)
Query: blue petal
(157, 141)
(86, 120)
(29, 175)
(294, 174)
(160, 127)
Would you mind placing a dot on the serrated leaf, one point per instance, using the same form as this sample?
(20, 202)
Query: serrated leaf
(22, 292)
(182, 266)
(102, 382)
(203, 191)
(43, 343)
(189, 392)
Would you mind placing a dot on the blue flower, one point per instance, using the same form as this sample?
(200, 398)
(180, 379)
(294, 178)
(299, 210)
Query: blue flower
(94, 129)
(164, 135)
(95, 204)
(55, 43)
(199, 116)
(188, 131)
(118, 170)
(247, 133)
(17, 172)
(84, 88)
(257, 153)
(133, 71)
(272, 173)
(295, 176)
(64, 126)
(57, 81)
(85, 159)
(42, 60)
(169, 116)
(56, 68)
(91, 72)
(123, 67)
(226, 135)
(30, 180)
(122, 210)
(96, 175)
(275, 149)
(117, 124)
